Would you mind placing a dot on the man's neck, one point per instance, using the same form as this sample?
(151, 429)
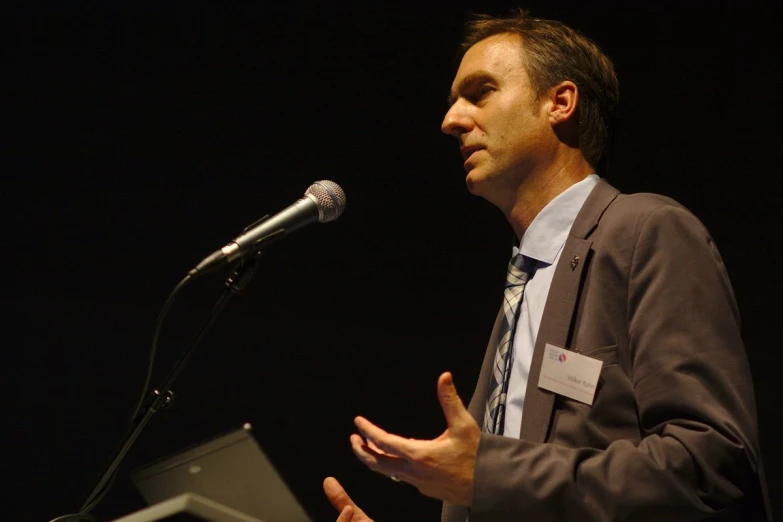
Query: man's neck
(542, 187)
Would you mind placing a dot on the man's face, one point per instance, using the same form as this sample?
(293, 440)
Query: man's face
(500, 124)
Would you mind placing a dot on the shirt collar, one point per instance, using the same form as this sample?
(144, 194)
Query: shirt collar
(546, 235)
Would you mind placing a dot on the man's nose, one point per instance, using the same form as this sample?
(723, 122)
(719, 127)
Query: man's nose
(457, 121)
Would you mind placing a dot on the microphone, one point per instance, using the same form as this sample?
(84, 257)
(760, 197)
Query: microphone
(323, 201)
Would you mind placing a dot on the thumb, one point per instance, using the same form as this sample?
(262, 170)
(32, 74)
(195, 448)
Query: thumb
(343, 503)
(336, 494)
(346, 515)
(450, 402)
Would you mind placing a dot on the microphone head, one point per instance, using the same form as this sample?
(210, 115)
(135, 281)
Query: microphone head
(329, 198)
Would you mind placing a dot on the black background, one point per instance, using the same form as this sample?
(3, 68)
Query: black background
(142, 136)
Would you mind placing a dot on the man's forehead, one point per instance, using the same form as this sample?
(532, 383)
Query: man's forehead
(498, 48)
(494, 55)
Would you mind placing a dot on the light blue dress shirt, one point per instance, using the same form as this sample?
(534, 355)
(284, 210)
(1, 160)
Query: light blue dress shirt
(542, 241)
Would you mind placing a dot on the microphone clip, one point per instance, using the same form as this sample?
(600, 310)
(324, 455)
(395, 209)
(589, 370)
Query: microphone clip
(243, 272)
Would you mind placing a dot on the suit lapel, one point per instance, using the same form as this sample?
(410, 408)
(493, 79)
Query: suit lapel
(560, 308)
(478, 401)
(554, 329)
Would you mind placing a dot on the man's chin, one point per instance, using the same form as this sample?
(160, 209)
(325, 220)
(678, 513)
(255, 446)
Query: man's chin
(474, 182)
(483, 187)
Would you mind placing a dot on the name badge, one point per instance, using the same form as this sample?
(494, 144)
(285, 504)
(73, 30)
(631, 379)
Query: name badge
(569, 373)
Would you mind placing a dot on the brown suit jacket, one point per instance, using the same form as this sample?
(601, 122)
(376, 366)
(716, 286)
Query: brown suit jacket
(672, 432)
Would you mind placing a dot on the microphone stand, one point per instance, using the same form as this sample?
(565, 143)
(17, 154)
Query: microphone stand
(162, 397)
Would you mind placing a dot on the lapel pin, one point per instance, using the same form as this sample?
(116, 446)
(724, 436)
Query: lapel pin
(574, 262)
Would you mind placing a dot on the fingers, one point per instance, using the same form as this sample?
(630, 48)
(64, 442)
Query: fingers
(379, 462)
(337, 496)
(390, 444)
(375, 448)
(372, 458)
(450, 401)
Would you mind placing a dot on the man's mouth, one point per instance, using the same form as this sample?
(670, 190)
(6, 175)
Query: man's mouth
(467, 151)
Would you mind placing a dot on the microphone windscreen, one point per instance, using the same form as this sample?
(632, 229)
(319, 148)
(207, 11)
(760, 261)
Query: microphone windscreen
(329, 198)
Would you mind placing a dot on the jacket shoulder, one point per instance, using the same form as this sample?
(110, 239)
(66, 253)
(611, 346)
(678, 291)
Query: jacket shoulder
(632, 211)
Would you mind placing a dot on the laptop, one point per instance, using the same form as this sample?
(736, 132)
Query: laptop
(228, 471)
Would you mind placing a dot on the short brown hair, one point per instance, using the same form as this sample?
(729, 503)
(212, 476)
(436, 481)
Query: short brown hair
(554, 52)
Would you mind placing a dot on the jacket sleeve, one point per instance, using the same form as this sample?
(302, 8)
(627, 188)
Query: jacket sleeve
(697, 456)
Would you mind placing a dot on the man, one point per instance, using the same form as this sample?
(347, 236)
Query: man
(653, 417)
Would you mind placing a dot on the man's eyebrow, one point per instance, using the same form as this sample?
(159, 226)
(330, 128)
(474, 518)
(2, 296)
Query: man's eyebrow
(465, 83)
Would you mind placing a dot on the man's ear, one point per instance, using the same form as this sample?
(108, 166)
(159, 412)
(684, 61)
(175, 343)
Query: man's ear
(564, 98)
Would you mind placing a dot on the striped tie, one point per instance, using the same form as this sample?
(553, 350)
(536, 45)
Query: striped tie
(512, 297)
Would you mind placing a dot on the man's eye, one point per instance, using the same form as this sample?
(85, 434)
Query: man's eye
(484, 90)
(477, 94)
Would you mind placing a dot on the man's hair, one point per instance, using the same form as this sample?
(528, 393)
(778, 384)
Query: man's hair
(552, 53)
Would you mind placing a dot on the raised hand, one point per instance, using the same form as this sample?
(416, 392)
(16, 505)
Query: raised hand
(441, 468)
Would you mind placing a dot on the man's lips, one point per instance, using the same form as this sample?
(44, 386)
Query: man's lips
(468, 150)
